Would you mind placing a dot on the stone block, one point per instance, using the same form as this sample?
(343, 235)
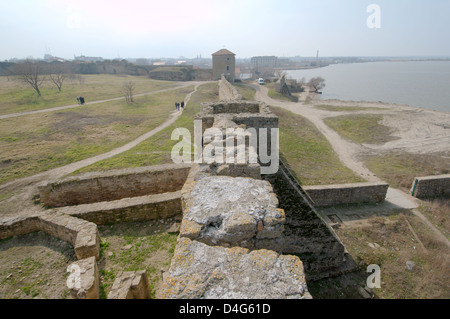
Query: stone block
(84, 279)
(130, 285)
(201, 271)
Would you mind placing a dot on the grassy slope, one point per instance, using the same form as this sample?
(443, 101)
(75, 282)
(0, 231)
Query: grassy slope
(157, 149)
(308, 152)
(35, 143)
(17, 97)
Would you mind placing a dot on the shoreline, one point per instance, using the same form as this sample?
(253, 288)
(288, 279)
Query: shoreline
(418, 130)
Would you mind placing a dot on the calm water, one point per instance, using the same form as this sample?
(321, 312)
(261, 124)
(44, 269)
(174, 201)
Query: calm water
(424, 84)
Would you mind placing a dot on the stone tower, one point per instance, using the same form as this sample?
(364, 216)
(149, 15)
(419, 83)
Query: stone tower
(224, 63)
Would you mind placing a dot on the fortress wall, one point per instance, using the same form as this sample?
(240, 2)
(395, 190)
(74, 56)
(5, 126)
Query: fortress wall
(431, 186)
(135, 209)
(353, 193)
(227, 92)
(82, 234)
(305, 233)
(114, 185)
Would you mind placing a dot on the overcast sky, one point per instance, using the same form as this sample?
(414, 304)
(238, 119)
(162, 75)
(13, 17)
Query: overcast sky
(174, 28)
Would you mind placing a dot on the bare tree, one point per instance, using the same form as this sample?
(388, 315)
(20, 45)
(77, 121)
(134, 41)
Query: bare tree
(57, 75)
(128, 90)
(30, 72)
(316, 84)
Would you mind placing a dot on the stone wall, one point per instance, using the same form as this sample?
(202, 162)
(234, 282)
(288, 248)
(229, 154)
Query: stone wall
(212, 272)
(228, 92)
(354, 193)
(113, 185)
(305, 233)
(431, 186)
(130, 285)
(232, 211)
(82, 234)
(135, 209)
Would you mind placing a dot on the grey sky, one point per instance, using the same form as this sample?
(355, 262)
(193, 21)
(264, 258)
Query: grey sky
(170, 28)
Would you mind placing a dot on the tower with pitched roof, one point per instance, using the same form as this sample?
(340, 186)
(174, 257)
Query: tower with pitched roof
(224, 62)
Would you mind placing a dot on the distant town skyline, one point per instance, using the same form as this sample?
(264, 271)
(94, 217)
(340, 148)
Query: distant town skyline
(286, 28)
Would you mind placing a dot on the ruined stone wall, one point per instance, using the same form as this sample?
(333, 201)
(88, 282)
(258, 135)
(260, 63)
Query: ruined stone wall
(113, 185)
(353, 193)
(135, 209)
(228, 92)
(232, 230)
(305, 233)
(431, 186)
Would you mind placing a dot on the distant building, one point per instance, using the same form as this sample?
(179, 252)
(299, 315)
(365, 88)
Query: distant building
(224, 62)
(259, 62)
(88, 58)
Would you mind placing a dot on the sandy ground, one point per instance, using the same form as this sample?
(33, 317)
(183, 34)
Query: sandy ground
(418, 131)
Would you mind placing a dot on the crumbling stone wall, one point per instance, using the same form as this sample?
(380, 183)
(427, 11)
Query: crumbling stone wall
(431, 186)
(228, 92)
(232, 229)
(134, 209)
(113, 185)
(305, 233)
(82, 234)
(213, 272)
(353, 193)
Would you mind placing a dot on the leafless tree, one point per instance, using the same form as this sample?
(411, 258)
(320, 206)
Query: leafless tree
(57, 75)
(316, 84)
(30, 72)
(128, 90)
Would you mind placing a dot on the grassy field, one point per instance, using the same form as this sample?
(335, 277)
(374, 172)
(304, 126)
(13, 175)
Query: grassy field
(308, 153)
(18, 97)
(347, 108)
(135, 246)
(389, 243)
(247, 93)
(361, 128)
(400, 168)
(157, 150)
(34, 143)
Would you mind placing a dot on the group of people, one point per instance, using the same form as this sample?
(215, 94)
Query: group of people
(80, 100)
(179, 106)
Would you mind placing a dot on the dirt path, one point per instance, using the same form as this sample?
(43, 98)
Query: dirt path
(57, 108)
(26, 188)
(347, 151)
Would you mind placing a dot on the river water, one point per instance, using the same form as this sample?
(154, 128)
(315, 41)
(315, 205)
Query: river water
(424, 84)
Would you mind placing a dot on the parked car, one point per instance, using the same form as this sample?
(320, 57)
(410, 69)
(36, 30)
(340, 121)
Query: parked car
(261, 81)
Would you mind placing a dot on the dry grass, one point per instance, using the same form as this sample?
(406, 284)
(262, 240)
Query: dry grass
(17, 97)
(361, 128)
(429, 278)
(400, 168)
(34, 143)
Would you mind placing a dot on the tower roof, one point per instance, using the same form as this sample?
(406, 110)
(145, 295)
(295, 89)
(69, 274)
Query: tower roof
(224, 52)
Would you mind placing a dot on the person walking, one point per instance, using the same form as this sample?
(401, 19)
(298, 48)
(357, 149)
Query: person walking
(182, 104)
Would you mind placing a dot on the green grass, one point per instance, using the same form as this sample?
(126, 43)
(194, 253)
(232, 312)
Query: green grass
(278, 96)
(150, 248)
(347, 108)
(34, 143)
(361, 128)
(400, 168)
(17, 97)
(157, 149)
(308, 153)
(427, 280)
(247, 92)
